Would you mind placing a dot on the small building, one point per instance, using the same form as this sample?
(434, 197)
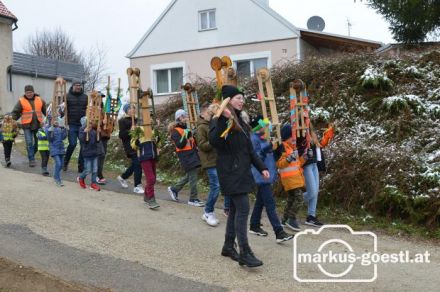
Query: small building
(182, 41)
(18, 70)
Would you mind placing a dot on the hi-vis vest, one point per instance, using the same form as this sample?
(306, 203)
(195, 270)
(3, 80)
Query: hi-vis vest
(8, 136)
(190, 143)
(28, 112)
(294, 167)
(43, 145)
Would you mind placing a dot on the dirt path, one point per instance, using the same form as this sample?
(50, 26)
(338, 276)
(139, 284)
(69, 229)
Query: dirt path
(15, 277)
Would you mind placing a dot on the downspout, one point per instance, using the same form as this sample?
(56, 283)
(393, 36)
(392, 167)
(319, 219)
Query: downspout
(298, 48)
(10, 77)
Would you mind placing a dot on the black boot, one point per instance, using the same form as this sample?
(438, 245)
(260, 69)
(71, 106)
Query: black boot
(247, 257)
(229, 250)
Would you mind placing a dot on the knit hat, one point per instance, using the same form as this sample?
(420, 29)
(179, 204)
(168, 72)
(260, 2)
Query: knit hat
(286, 132)
(230, 91)
(179, 113)
(126, 107)
(28, 88)
(76, 81)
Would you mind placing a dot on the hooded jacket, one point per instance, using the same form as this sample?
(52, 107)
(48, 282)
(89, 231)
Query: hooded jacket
(264, 151)
(76, 106)
(207, 153)
(56, 140)
(189, 159)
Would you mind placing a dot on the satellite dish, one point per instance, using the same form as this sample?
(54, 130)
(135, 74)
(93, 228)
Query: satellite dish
(316, 23)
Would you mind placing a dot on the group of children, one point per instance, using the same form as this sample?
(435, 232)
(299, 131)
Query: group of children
(194, 152)
(284, 161)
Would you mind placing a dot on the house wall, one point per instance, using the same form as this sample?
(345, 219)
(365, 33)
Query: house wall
(6, 99)
(43, 86)
(237, 22)
(197, 63)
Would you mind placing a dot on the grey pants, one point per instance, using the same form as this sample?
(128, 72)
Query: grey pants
(191, 177)
(238, 218)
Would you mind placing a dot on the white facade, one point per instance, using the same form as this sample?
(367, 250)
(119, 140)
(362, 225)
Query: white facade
(237, 22)
(6, 100)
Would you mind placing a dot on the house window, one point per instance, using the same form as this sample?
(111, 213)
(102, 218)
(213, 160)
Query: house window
(248, 68)
(207, 20)
(168, 80)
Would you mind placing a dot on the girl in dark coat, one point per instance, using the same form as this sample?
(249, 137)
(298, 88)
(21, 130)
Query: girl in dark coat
(235, 155)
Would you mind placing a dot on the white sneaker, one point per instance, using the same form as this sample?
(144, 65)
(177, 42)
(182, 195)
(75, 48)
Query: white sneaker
(139, 189)
(123, 182)
(196, 203)
(173, 194)
(210, 219)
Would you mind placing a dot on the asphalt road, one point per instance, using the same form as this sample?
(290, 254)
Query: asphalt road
(112, 240)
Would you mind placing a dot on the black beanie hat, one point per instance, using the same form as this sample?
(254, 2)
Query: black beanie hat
(230, 91)
(29, 88)
(286, 132)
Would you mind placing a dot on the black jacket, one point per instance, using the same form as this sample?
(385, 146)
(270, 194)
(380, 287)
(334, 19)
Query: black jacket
(76, 107)
(235, 155)
(124, 135)
(147, 150)
(92, 147)
(188, 159)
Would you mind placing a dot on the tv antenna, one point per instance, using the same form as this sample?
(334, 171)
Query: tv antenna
(349, 25)
(316, 23)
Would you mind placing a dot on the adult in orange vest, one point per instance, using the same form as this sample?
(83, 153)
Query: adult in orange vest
(31, 108)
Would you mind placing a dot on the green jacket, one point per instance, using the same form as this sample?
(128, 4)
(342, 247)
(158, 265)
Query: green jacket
(207, 153)
(18, 109)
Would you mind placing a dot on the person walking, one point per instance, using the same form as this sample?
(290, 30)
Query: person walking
(187, 153)
(208, 158)
(77, 107)
(31, 108)
(264, 195)
(125, 125)
(230, 136)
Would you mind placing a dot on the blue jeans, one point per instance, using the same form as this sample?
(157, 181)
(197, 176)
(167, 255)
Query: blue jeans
(265, 199)
(90, 166)
(73, 140)
(311, 176)
(214, 189)
(30, 137)
(58, 166)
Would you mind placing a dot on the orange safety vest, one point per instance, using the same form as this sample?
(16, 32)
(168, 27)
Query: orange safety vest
(28, 112)
(190, 143)
(294, 167)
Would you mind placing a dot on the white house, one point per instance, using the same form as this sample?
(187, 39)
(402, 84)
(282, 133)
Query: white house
(182, 41)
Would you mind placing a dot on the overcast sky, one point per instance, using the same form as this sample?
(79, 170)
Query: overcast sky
(118, 25)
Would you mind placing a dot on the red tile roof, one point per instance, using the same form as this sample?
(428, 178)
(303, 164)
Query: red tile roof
(4, 12)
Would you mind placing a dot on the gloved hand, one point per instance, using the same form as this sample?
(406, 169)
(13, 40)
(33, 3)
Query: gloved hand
(51, 129)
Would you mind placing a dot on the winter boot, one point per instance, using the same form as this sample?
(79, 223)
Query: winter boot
(229, 250)
(247, 257)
